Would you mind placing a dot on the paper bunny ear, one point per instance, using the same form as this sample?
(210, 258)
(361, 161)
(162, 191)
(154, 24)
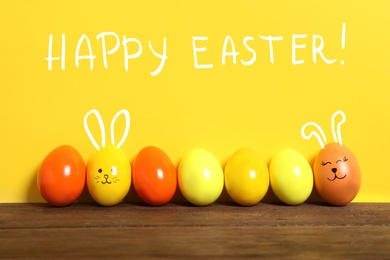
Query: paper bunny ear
(127, 127)
(101, 124)
(307, 137)
(337, 138)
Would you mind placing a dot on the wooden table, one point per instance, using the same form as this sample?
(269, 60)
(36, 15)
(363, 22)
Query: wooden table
(179, 230)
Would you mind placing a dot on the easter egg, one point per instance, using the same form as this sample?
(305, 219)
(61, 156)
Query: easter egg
(154, 176)
(291, 177)
(108, 176)
(61, 176)
(200, 177)
(337, 174)
(246, 177)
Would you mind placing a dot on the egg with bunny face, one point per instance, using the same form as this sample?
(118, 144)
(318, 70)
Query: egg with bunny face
(108, 171)
(109, 176)
(336, 171)
(337, 174)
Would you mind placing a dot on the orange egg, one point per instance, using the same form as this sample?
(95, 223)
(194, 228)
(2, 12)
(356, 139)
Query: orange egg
(61, 177)
(154, 176)
(336, 174)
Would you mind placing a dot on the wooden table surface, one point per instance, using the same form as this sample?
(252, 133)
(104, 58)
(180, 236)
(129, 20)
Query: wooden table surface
(179, 230)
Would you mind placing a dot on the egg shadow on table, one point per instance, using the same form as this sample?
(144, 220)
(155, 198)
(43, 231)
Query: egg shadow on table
(85, 197)
(33, 194)
(316, 199)
(132, 198)
(270, 198)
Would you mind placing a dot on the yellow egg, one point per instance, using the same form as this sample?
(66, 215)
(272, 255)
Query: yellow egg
(200, 177)
(291, 177)
(246, 177)
(109, 176)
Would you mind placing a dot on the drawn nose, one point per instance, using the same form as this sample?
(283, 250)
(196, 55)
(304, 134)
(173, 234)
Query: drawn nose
(334, 170)
(106, 176)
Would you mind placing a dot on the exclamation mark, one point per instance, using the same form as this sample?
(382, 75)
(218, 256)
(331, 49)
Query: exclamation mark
(343, 30)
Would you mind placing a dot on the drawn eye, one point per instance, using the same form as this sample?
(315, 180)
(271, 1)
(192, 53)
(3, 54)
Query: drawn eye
(113, 170)
(342, 160)
(325, 163)
(100, 171)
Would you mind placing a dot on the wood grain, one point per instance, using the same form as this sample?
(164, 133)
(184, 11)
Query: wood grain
(307, 231)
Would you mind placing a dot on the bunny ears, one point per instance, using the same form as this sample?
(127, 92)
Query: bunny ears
(336, 134)
(101, 124)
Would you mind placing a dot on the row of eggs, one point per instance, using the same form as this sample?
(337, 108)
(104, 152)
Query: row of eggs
(200, 177)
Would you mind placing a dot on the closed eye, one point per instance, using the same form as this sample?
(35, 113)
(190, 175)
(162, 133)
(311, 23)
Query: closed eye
(325, 163)
(342, 160)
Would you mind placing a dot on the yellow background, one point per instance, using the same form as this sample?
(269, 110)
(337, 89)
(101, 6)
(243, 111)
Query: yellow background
(221, 109)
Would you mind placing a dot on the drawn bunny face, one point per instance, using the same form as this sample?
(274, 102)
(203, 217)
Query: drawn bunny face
(336, 171)
(108, 171)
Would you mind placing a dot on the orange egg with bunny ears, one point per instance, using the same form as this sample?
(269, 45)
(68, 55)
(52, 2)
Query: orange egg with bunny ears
(336, 170)
(337, 174)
